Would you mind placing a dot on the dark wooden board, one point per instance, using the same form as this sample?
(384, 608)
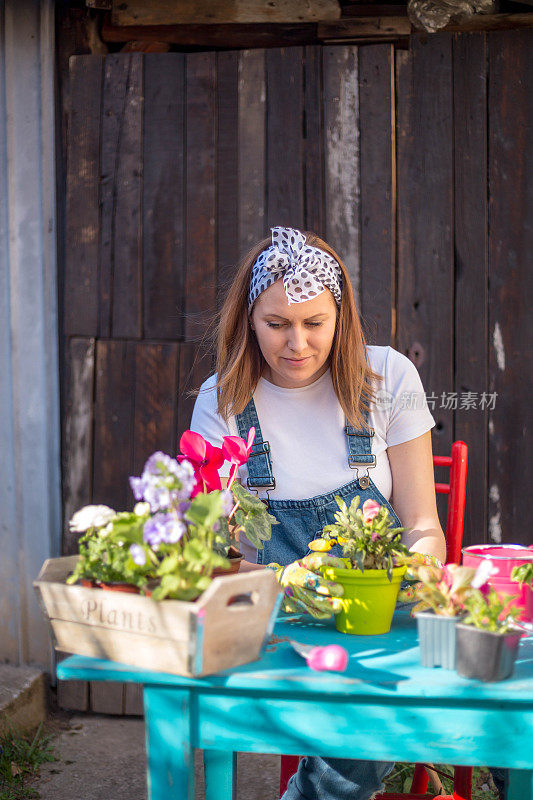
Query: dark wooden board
(163, 188)
(284, 70)
(252, 148)
(376, 117)
(218, 12)
(510, 246)
(127, 228)
(156, 381)
(107, 698)
(116, 72)
(425, 319)
(200, 279)
(314, 188)
(73, 695)
(195, 365)
(80, 298)
(78, 435)
(133, 699)
(471, 284)
(114, 423)
(227, 180)
(341, 156)
(213, 36)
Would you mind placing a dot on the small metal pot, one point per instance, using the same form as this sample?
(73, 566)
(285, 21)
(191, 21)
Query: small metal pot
(484, 655)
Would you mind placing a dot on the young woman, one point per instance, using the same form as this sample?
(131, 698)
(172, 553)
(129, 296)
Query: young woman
(332, 415)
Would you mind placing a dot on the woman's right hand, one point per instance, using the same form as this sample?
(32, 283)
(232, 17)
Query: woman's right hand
(305, 588)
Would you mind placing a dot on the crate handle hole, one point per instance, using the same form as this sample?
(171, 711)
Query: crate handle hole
(244, 599)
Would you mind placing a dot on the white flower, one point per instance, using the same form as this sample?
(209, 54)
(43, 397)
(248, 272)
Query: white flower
(141, 509)
(483, 573)
(103, 532)
(91, 517)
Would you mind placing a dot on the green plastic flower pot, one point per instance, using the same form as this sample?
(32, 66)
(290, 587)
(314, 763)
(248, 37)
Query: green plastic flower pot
(368, 601)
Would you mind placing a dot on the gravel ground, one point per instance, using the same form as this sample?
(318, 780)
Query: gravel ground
(103, 758)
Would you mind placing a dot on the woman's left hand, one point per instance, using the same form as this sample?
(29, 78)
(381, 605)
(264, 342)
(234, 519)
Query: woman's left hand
(305, 588)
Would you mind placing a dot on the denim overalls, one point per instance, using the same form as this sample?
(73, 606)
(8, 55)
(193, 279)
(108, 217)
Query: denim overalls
(300, 521)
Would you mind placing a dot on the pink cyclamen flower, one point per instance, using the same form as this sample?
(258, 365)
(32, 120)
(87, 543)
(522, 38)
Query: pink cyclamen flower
(370, 510)
(237, 451)
(205, 459)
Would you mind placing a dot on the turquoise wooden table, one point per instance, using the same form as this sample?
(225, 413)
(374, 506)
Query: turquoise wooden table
(385, 706)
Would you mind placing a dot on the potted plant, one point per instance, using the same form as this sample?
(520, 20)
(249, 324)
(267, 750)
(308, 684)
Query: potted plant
(375, 562)
(487, 638)
(181, 530)
(441, 592)
(167, 549)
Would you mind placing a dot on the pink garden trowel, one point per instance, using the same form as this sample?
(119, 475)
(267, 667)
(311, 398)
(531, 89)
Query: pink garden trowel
(333, 657)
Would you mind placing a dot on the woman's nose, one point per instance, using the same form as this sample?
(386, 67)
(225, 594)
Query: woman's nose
(297, 339)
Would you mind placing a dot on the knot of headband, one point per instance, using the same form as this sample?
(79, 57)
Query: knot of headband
(306, 271)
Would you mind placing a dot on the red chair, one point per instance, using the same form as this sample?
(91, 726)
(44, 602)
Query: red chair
(456, 491)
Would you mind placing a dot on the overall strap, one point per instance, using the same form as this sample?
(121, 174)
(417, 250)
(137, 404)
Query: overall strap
(360, 449)
(260, 475)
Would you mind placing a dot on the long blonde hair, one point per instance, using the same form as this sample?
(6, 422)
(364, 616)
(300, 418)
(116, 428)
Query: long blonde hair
(240, 362)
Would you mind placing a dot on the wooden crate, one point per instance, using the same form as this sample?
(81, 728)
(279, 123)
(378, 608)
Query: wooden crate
(224, 628)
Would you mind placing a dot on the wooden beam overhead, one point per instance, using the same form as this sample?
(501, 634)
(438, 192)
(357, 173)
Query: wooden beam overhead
(363, 26)
(214, 36)
(216, 12)
(492, 22)
(352, 29)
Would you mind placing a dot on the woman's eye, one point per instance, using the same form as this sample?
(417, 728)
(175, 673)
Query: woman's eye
(277, 325)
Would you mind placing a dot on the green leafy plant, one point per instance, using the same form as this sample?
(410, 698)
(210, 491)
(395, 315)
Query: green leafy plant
(107, 552)
(523, 574)
(367, 536)
(20, 759)
(490, 611)
(444, 589)
(251, 517)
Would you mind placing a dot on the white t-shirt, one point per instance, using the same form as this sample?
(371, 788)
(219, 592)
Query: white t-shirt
(305, 428)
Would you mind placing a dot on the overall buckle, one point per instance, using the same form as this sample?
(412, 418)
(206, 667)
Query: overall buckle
(268, 485)
(353, 462)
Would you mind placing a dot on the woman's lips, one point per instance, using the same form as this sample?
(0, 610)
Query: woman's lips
(296, 361)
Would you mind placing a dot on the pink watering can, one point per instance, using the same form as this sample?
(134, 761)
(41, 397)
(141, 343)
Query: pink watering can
(504, 558)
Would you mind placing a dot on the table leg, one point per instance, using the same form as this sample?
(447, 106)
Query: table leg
(520, 784)
(220, 775)
(169, 743)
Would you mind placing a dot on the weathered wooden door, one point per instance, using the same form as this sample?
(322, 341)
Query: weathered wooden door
(177, 163)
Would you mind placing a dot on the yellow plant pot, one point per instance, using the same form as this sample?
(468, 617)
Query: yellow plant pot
(369, 598)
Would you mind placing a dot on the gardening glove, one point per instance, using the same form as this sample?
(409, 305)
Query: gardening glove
(407, 593)
(305, 588)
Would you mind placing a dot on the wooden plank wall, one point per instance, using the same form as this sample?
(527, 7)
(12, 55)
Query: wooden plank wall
(178, 163)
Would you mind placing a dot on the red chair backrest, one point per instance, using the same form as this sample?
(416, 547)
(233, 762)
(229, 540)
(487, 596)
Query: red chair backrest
(456, 491)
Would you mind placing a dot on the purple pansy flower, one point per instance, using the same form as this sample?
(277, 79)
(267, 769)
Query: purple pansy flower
(164, 481)
(138, 555)
(163, 529)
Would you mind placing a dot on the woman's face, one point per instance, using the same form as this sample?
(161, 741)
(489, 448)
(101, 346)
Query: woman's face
(295, 339)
